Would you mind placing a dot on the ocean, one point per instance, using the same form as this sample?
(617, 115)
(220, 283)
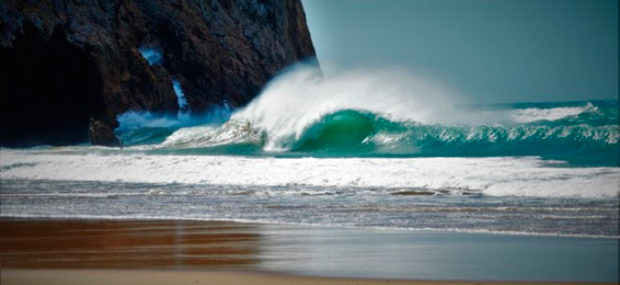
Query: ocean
(331, 167)
(357, 151)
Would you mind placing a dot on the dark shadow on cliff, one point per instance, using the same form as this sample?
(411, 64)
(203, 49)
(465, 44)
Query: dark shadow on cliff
(50, 89)
(62, 62)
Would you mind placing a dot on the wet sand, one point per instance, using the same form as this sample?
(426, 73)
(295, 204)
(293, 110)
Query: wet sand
(51, 251)
(151, 277)
(98, 244)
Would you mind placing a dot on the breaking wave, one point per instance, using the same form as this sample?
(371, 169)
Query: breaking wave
(359, 133)
(386, 114)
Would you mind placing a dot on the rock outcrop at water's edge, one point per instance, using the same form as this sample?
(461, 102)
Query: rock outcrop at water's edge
(65, 61)
(100, 134)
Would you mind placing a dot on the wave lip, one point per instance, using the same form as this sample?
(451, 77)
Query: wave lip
(382, 114)
(355, 133)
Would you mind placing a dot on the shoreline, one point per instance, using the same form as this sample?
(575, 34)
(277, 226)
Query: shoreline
(315, 226)
(45, 247)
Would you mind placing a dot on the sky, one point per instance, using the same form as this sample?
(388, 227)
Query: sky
(489, 50)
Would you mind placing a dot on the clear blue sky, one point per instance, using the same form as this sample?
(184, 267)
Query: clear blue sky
(488, 50)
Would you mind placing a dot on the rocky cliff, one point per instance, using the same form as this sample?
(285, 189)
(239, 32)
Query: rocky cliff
(65, 61)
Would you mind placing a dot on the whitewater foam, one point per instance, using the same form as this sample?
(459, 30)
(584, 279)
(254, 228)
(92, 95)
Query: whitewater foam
(397, 113)
(232, 132)
(181, 100)
(505, 176)
(529, 115)
(293, 102)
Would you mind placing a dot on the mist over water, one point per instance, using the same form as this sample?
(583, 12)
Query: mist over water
(364, 148)
(301, 97)
(382, 113)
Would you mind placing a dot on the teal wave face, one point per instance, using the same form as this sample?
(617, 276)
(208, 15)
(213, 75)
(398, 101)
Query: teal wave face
(578, 132)
(342, 131)
(578, 144)
(350, 132)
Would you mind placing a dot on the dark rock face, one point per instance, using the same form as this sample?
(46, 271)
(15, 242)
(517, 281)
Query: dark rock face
(100, 134)
(64, 61)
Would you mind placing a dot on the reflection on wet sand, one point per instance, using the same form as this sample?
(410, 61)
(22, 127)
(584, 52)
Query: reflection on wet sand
(304, 250)
(127, 244)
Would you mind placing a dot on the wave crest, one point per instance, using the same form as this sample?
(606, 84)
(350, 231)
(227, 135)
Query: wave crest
(232, 132)
(529, 115)
(390, 113)
(352, 132)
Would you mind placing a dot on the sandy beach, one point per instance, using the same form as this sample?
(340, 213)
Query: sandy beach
(53, 251)
(164, 277)
(127, 244)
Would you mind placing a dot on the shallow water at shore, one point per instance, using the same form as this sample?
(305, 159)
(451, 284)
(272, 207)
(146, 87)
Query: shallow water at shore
(414, 209)
(313, 251)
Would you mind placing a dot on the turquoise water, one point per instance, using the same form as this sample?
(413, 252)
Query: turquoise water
(433, 255)
(581, 133)
(523, 191)
(387, 157)
(527, 168)
(370, 164)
